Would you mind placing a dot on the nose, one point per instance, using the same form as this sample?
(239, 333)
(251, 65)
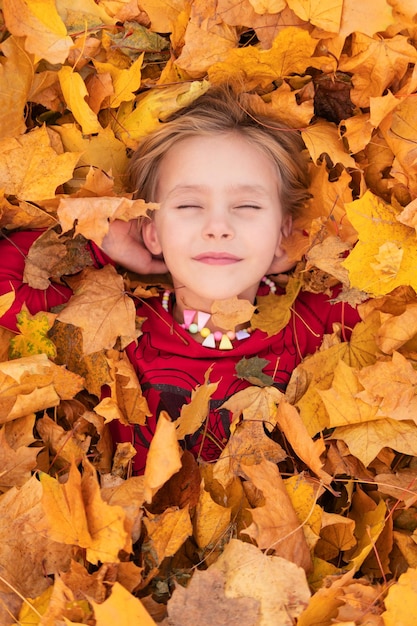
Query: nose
(218, 225)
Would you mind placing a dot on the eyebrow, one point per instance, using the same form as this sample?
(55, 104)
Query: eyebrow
(233, 188)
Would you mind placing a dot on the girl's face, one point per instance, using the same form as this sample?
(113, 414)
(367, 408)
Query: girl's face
(220, 223)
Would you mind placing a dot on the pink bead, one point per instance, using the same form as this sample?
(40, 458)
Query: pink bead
(218, 335)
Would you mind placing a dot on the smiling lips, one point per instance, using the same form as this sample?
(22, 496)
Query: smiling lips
(217, 258)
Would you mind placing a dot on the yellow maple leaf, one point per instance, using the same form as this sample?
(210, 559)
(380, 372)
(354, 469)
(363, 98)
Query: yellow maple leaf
(366, 440)
(251, 67)
(77, 515)
(401, 596)
(41, 25)
(268, 6)
(168, 531)
(376, 63)
(75, 92)
(322, 137)
(33, 337)
(121, 602)
(16, 76)
(164, 456)
(101, 308)
(196, 411)
(342, 402)
(31, 169)
(325, 16)
(273, 311)
(125, 81)
(134, 123)
(211, 520)
(377, 225)
(364, 19)
(102, 151)
(368, 527)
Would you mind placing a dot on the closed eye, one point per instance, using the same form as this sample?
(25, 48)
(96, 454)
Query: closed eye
(249, 206)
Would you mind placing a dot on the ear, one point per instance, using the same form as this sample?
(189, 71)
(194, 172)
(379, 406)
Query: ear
(150, 237)
(281, 263)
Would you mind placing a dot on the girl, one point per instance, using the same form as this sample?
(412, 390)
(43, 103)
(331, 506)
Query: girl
(228, 184)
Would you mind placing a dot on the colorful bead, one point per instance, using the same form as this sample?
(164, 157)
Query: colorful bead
(195, 321)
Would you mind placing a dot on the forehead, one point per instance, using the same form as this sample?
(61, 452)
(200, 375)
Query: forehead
(229, 157)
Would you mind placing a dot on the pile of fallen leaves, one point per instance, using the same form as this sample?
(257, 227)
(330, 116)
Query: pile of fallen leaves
(320, 480)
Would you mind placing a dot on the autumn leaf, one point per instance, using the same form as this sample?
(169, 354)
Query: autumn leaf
(164, 458)
(231, 312)
(31, 169)
(33, 337)
(40, 24)
(168, 531)
(77, 515)
(6, 301)
(101, 324)
(119, 601)
(211, 521)
(385, 256)
(196, 411)
(270, 579)
(274, 311)
(275, 525)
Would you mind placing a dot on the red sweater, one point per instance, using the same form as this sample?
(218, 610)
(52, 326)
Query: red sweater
(170, 365)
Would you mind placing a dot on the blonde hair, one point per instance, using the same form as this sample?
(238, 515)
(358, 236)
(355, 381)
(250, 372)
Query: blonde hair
(220, 111)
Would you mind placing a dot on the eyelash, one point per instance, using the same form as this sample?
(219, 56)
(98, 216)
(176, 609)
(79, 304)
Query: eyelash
(241, 206)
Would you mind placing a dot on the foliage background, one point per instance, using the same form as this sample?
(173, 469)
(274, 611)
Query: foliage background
(81, 83)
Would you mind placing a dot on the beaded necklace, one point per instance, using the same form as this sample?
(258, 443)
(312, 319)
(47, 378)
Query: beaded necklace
(196, 322)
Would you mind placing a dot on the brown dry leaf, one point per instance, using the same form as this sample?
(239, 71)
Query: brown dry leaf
(279, 585)
(336, 535)
(26, 561)
(247, 445)
(101, 308)
(275, 525)
(63, 445)
(204, 602)
(91, 216)
(126, 402)
(167, 532)
(255, 403)
(328, 256)
(228, 314)
(26, 386)
(17, 464)
(402, 485)
(196, 411)
(164, 456)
